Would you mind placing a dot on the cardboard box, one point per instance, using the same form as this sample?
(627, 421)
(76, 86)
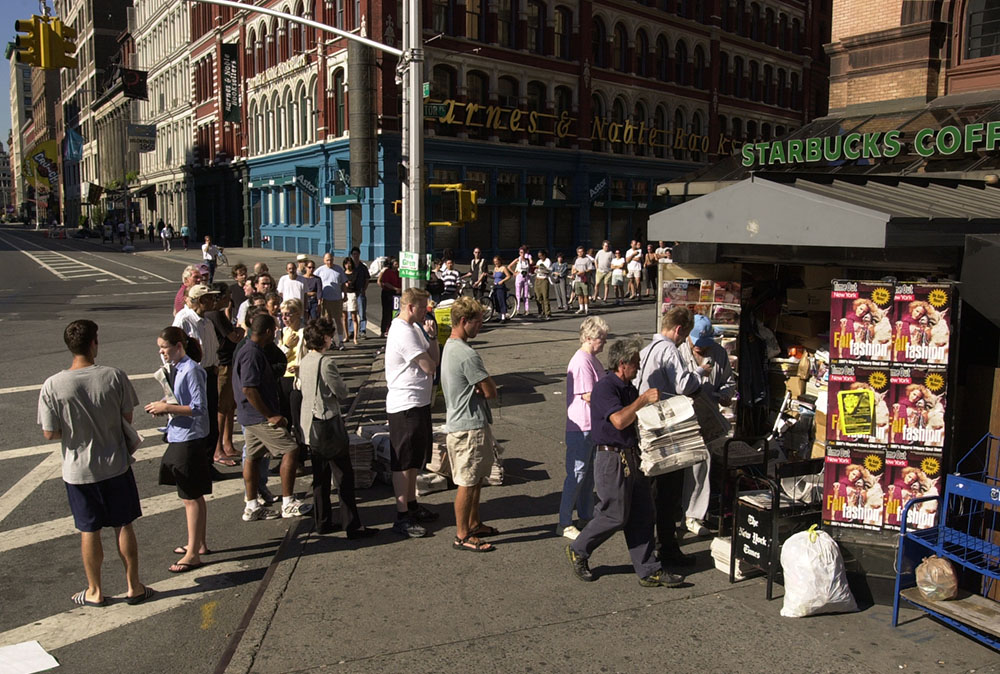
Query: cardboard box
(807, 299)
(796, 386)
(814, 276)
(820, 426)
(803, 325)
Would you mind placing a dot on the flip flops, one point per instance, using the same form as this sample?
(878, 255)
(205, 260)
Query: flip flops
(183, 549)
(472, 544)
(184, 567)
(226, 461)
(147, 593)
(80, 599)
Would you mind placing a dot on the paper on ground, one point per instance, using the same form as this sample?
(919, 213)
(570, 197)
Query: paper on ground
(25, 658)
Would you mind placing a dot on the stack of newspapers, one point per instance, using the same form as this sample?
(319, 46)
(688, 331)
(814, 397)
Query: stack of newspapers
(669, 436)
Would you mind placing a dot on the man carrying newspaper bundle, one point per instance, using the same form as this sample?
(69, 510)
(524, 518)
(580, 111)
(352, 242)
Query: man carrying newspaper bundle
(625, 503)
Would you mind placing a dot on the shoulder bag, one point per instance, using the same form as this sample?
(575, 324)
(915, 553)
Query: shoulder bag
(327, 437)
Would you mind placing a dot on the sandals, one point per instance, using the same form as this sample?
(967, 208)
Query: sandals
(472, 544)
(184, 567)
(226, 461)
(80, 599)
(484, 530)
(147, 593)
(183, 549)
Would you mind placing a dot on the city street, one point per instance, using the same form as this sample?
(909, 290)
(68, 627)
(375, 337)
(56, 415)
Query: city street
(275, 597)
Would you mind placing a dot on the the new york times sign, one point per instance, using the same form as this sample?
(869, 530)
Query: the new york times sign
(230, 83)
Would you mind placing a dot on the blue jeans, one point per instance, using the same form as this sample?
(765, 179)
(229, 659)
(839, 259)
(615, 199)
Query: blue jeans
(363, 313)
(578, 489)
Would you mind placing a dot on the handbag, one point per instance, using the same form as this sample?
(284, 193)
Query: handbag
(327, 437)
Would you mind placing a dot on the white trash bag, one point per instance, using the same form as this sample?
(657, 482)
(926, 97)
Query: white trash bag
(815, 580)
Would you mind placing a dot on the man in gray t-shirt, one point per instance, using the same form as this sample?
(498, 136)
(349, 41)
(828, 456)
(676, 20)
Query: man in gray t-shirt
(87, 408)
(603, 261)
(467, 386)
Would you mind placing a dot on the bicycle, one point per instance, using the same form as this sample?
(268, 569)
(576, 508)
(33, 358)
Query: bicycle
(490, 304)
(221, 260)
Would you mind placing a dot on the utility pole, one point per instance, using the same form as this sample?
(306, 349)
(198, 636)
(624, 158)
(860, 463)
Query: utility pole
(412, 131)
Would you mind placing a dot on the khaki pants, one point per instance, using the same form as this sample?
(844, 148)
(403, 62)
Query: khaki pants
(334, 311)
(542, 296)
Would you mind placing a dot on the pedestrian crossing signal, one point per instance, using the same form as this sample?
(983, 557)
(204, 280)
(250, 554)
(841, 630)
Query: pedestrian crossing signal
(61, 45)
(458, 206)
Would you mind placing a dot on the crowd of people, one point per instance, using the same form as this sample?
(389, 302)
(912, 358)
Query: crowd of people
(261, 354)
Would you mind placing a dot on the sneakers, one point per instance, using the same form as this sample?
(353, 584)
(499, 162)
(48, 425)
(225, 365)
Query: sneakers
(296, 508)
(696, 527)
(570, 532)
(661, 578)
(580, 310)
(259, 514)
(265, 497)
(409, 528)
(422, 514)
(580, 567)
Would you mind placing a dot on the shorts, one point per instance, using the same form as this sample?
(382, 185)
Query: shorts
(470, 454)
(109, 503)
(581, 289)
(635, 274)
(601, 277)
(227, 401)
(410, 438)
(351, 304)
(262, 438)
(188, 466)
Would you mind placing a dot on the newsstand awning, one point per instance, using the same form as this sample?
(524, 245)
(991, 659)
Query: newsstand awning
(835, 211)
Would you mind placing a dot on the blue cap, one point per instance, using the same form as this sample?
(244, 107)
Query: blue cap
(703, 334)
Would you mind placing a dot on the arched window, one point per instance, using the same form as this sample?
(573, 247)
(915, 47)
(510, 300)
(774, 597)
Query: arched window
(620, 48)
(280, 123)
(507, 92)
(303, 110)
(754, 81)
(768, 84)
(982, 29)
(680, 62)
(261, 57)
(739, 89)
(679, 153)
(283, 51)
(641, 54)
(699, 67)
(599, 44)
(697, 129)
(741, 17)
(338, 102)
(618, 116)
(292, 131)
(751, 131)
(663, 138)
(796, 36)
(443, 83)
(737, 128)
(507, 23)
(754, 21)
(723, 73)
(769, 26)
(782, 31)
(477, 90)
(254, 139)
(339, 21)
(536, 27)
(662, 59)
(782, 86)
(272, 44)
(562, 32)
(251, 61)
(639, 116)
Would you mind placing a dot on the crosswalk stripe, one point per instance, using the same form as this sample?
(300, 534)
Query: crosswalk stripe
(51, 255)
(49, 467)
(50, 447)
(37, 387)
(84, 622)
(154, 505)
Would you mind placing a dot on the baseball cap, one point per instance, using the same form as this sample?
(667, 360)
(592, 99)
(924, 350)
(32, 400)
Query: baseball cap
(702, 334)
(200, 290)
(203, 269)
(301, 257)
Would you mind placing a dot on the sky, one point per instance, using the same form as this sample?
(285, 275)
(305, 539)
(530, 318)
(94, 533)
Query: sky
(10, 11)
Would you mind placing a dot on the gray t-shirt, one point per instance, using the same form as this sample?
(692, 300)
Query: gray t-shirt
(86, 407)
(603, 259)
(461, 370)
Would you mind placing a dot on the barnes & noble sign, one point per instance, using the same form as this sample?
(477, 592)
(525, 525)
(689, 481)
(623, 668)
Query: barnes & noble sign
(628, 132)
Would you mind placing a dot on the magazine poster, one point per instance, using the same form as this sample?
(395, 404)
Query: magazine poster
(922, 323)
(727, 292)
(917, 406)
(861, 321)
(911, 474)
(853, 494)
(852, 377)
(680, 291)
(707, 291)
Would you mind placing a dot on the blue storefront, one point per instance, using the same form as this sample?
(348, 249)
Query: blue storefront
(301, 201)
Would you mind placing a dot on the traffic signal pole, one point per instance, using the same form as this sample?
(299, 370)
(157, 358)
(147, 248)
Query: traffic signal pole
(411, 66)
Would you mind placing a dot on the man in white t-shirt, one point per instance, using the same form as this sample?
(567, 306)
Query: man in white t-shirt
(583, 269)
(291, 286)
(603, 262)
(411, 359)
(333, 278)
(542, 269)
(210, 254)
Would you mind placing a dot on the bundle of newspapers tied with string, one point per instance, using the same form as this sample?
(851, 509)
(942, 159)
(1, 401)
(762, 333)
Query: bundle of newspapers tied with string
(670, 436)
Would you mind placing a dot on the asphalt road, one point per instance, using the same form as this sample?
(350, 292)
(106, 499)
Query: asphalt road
(277, 598)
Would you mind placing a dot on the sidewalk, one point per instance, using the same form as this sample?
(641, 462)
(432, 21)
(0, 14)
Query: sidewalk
(394, 605)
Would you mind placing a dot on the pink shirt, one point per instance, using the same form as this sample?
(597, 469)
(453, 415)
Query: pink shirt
(179, 299)
(582, 373)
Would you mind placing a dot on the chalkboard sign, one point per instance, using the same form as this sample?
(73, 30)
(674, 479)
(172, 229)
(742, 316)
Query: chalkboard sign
(753, 536)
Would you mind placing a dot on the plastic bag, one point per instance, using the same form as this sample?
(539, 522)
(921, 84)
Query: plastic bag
(815, 580)
(936, 579)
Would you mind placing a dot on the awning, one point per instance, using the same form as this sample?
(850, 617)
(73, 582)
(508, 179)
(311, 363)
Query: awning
(835, 211)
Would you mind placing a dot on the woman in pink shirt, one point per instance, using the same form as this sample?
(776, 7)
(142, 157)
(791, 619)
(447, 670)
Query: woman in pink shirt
(582, 373)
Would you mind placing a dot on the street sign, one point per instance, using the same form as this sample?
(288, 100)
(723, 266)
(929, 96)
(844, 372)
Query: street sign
(142, 137)
(427, 89)
(435, 109)
(409, 265)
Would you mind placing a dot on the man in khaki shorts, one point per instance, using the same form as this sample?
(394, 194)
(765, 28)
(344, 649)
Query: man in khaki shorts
(467, 386)
(255, 389)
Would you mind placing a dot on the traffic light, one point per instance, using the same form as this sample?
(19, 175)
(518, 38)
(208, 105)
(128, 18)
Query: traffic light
(31, 47)
(457, 205)
(61, 46)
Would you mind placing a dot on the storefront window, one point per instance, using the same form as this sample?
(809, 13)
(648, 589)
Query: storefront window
(619, 189)
(562, 236)
(292, 213)
(598, 226)
(507, 185)
(510, 227)
(479, 181)
(561, 186)
(620, 234)
(538, 227)
(534, 186)
(640, 190)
